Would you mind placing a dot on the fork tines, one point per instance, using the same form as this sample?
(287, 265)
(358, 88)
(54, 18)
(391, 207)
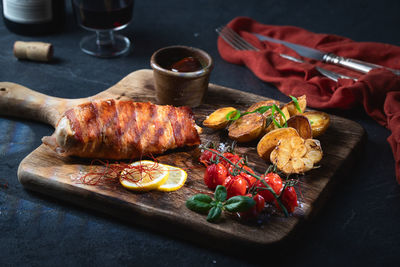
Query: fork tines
(234, 39)
(238, 43)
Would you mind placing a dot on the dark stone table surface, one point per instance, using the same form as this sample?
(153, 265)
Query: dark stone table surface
(359, 224)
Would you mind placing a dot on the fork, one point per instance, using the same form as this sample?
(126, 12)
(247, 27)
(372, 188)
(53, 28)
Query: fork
(238, 43)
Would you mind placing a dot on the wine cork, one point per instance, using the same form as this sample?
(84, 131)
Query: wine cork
(36, 51)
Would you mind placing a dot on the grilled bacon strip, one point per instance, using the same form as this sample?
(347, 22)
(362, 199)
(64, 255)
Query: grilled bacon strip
(122, 130)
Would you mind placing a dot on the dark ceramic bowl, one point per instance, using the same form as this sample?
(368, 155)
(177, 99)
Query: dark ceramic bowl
(180, 88)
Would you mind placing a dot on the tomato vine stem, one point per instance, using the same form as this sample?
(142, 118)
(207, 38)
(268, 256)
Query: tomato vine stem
(269, 188)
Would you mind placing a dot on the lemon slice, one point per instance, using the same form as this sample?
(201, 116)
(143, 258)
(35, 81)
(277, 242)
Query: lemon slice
(176, 179)
(146, 175)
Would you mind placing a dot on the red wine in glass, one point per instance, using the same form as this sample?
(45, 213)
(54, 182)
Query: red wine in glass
(104, 17)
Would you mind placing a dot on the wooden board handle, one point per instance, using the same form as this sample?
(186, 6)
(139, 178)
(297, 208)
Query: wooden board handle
(19, 101)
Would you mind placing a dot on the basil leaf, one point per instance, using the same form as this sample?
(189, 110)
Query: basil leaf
(239, 204)
(296, 103)
(233, 115)
(200, 203)
(214, 214)
(220, 193)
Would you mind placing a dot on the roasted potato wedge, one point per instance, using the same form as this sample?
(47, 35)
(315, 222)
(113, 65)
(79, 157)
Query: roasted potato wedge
(292, 107)
(217, 119)
(247, 128)
(261, 104)
(279, 118)
(296, 155)
(302, 125)
(319, 122)
(269, 141)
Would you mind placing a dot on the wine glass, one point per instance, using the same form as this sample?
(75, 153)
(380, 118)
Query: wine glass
(104, 17)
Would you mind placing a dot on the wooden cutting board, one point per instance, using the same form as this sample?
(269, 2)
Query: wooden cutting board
(46, 172)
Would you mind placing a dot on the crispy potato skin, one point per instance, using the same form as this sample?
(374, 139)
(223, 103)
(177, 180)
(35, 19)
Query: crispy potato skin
(292, 107)
(302, 125)
(279, 118)
(269, 141)
(319, 122)
(217, 120)
(292, 149)
(247, 128)
(261, 104)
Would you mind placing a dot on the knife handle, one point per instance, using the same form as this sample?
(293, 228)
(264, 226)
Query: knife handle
(354, 64)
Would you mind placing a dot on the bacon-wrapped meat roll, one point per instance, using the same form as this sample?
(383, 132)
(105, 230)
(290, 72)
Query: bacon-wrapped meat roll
(115, 129)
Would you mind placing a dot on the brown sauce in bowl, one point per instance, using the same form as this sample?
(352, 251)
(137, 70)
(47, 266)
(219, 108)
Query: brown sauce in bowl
(187, 64)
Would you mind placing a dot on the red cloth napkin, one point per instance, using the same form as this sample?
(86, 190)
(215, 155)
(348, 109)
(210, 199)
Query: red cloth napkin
(378, 91)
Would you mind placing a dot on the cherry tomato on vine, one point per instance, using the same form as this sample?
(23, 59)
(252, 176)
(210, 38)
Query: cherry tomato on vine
(234, 158)
(215, 175)
(257, 209)
(274, 181)
(249, 179)
(289, 199)
(235, 185)
(207, 156)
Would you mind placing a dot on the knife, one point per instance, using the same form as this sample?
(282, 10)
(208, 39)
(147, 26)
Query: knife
(331, 58)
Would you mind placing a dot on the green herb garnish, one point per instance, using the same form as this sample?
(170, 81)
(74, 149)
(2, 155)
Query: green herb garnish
(202, 203)
(236, 114)
(275, 108)
(233, 115)
(296, 103)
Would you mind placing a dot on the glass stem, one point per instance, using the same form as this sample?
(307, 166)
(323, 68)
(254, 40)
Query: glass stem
(105, 38)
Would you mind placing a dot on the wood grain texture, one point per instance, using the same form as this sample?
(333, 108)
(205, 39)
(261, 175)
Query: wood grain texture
(46, 172)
